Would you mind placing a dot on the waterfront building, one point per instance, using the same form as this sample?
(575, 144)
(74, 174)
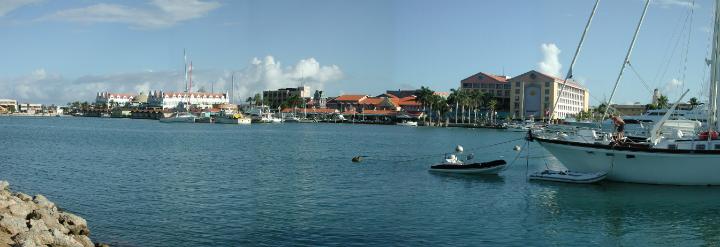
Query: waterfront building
(200, 100)
(114, 99)
(9, 105)
(274, 98)
(533, 94)
(495, 85)
(346, 102)
(318, 101)
(30, 108)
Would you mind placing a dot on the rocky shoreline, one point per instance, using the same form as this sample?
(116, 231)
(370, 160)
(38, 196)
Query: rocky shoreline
(35, 221)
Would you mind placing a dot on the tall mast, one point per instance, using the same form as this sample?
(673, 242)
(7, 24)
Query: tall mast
(715, 72)
(572, 64)
(186, 71)
(627, 59)
(232, 89)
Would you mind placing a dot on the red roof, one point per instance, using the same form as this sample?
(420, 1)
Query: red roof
(350, 97)
(310, 110)
(371, 101)
(495, 78)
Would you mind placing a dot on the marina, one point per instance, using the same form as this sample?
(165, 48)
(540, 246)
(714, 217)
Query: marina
(317, 191)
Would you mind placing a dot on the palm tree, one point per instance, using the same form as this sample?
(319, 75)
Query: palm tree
(693, 102)
(662, 102)
(491, 106)
(476, 101)
(453, 99)
(424, 97)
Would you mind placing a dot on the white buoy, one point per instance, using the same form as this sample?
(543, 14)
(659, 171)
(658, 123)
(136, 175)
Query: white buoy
(459, 149)
(516, 148)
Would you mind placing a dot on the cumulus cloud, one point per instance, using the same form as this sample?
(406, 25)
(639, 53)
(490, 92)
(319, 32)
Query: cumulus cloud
(162, 13)
(672, 85)
(551, 61)
(7, 6)
(266, 73)
(42, 86)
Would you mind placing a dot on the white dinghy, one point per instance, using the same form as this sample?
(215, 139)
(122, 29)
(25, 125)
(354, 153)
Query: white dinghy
(568, 176)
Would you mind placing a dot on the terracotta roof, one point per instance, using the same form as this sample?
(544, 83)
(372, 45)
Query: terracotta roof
(570, 82)
(350, 97)
(371, 101)
(496, 78)
(379, 112)
(310, 110)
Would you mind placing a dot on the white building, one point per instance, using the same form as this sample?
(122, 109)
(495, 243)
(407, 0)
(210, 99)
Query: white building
(169, 100)
(533, 94)
(30, 108)
(113, 98)
(9, 104)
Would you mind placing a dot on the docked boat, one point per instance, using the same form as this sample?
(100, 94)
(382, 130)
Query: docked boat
(568, 176)
(407, 123)
(236, 118)
(291, 119)
(179, 117)
(676, 159)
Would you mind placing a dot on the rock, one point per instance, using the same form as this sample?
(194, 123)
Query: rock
(74, 223)
(36, 221)
(24, 197)
(12, 225)
(102, 245)
(43, 202)
(20, 210)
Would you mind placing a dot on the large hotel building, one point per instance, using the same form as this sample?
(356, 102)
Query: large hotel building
(531, 94)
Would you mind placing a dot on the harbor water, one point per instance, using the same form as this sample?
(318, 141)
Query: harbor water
(145, 183)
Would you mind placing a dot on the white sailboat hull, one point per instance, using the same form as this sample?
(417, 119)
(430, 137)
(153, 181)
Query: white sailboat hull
(639, 166)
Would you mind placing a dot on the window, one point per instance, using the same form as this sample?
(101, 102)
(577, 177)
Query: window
(547, 91)
(700, 147)
(517, 84)
(467, 85)
(517, 91)
(547, 84)
(517, 105)
(547, 98)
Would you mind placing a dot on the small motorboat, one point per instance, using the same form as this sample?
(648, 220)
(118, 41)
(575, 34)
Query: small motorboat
(491, 167)
(452, 164)
(568, 176)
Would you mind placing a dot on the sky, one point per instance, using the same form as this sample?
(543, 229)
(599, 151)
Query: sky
(56, 52)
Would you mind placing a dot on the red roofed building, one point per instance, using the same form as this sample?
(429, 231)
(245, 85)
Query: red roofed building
(494, 85)
(346, 102)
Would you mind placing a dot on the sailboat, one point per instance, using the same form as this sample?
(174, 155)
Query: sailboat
(228, 117)
(672, 160)
(183, 116)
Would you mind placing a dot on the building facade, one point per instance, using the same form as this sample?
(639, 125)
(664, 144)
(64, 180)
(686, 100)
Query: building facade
(494, 85)
(628, 110)
(170, 100)
(113, 98)
(9, 105)
(275, 98)
(533, 95)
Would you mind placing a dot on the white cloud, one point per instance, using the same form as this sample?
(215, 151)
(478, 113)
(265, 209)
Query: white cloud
(7, 6)
(269, 74)
(551, 61)
(672, 85)
(42, 86)
(163, 13)
(675, 3)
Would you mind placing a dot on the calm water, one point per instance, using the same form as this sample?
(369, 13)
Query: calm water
(144, 183)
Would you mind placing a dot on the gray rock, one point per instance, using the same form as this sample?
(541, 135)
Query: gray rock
(12, 225)
(24, 197)
(20, 210)
(74, 223)
(43, 202)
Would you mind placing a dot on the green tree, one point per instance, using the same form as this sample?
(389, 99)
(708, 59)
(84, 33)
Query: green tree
(424, 97)
(663, 102)
(258, 99)
(693, 102)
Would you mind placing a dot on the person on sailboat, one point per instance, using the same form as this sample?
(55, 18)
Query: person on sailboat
(619, 127)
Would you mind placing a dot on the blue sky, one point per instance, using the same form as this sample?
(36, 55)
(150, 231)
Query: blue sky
(57, 51)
